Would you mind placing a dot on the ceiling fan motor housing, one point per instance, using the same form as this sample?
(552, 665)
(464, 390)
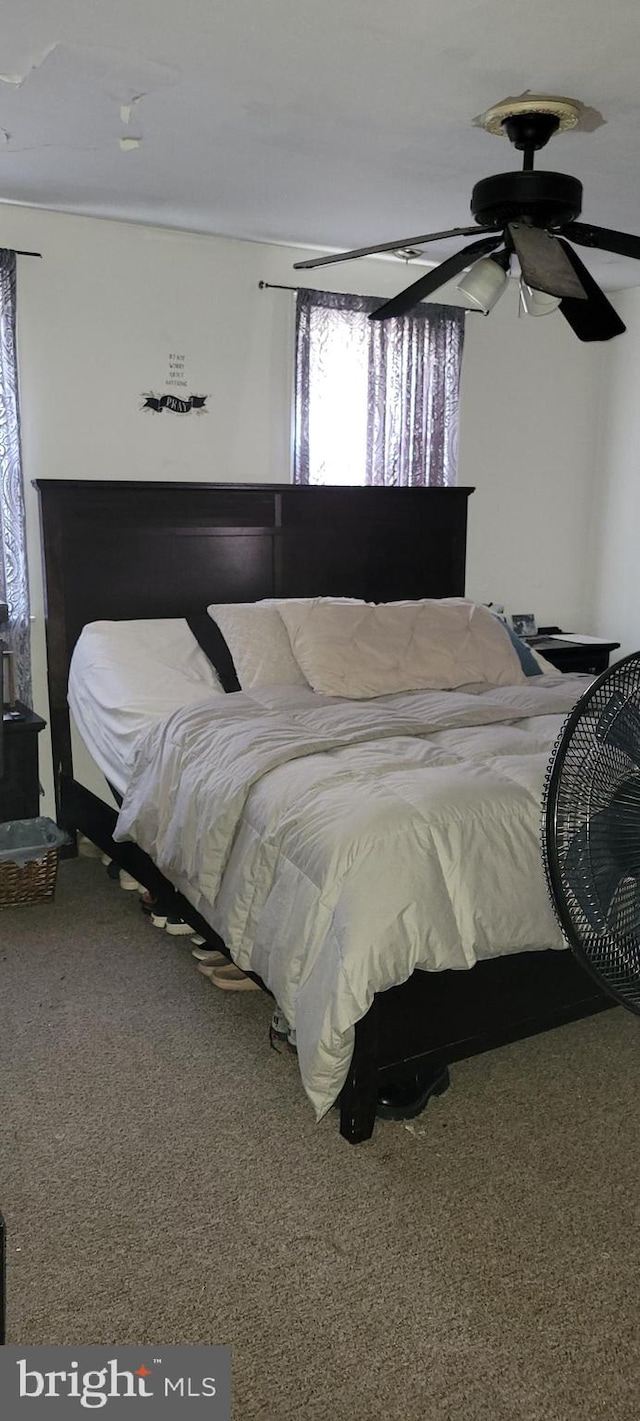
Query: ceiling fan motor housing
(546, 199)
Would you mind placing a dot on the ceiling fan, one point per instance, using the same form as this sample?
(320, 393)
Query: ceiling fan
(530, 215)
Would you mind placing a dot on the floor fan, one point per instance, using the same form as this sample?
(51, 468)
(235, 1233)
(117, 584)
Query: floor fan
(591, 831)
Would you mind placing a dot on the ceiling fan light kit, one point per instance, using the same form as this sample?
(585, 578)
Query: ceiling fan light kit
(484, 284)
(527, 215)
(536, 303)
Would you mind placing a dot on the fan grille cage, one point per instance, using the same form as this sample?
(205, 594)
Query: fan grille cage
(591, 830)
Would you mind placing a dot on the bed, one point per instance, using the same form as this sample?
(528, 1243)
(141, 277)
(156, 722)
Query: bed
(122, 551)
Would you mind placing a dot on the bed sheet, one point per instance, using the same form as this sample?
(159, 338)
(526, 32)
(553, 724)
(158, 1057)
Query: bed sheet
(124, 676)
(337, 846)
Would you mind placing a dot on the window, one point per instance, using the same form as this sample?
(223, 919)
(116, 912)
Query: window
(13, 558)
(376, 401)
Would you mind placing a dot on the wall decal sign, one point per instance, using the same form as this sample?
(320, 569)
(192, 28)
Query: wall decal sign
(158, 403)
(176, 403)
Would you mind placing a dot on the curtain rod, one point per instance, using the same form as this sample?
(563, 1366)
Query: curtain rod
(24, 254)
(274, 286)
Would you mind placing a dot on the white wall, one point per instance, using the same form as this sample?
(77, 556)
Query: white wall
(530, 397)
(615, 610)
(100, 313)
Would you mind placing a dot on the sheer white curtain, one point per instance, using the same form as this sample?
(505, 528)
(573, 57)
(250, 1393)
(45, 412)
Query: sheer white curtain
(14, 587)
(376, 401)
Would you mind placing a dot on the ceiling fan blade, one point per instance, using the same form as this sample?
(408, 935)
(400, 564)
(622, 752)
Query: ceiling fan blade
(624, 244)
(543, 262)
(595, 318)
(390, 246)
(434, 279)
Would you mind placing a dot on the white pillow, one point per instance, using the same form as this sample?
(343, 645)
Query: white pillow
(375, 650)
(126, 675)
(259, 642)
(152, 654)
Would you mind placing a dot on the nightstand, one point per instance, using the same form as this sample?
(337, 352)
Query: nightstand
(20, 782)
(588, 657)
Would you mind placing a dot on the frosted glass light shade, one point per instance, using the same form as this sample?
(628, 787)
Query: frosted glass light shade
(536, 303)
(483, 285)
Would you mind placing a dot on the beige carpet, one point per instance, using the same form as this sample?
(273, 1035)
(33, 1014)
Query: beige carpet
(163, 1180)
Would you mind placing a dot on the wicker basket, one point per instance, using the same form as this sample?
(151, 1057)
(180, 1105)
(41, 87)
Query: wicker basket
(31, 882)
(29, 851)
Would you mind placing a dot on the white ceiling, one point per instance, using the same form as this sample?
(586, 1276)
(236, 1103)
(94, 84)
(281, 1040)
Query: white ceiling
(333, 124)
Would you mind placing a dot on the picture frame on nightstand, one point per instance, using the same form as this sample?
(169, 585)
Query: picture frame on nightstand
(524, 624)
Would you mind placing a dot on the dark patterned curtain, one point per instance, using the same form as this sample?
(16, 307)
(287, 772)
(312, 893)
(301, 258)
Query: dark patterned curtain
(376, 401)
(14, 587)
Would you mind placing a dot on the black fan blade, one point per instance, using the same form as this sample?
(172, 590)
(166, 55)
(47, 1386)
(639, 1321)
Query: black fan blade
(624, 244)
(390, 247)
(543, 263)
(604, 859)
(595, 318)
(619, 727)
(432, 280)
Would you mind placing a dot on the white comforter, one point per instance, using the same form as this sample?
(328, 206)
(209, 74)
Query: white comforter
(336, 846)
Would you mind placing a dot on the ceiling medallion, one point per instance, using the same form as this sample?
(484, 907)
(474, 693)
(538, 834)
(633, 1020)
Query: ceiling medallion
(567, 111)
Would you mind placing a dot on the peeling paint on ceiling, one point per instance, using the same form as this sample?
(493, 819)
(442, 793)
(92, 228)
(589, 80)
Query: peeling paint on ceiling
(336, 125)
(17, 80)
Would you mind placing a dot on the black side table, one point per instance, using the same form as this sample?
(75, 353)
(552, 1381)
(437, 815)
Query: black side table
(588, 657)
(20, 781)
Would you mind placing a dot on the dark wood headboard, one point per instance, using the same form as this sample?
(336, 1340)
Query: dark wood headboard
(127, 549)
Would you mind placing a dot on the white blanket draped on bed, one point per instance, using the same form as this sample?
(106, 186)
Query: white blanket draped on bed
(336, 846)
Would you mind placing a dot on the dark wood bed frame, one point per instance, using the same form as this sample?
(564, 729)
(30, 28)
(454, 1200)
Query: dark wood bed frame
(127, 549)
